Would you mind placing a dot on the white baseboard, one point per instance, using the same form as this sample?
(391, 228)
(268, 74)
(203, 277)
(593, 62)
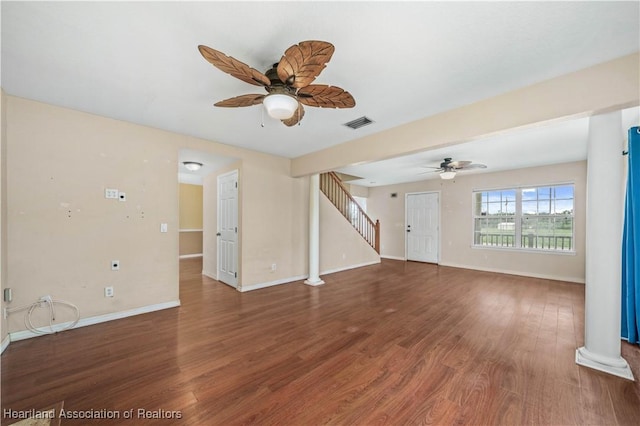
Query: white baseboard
(26, 334)
(210, 275)
(5, 343)
(346, 268)
(393, 257)
(617, 366)
(272, 283)
(189, 256)
(303, 277)
(518, 273)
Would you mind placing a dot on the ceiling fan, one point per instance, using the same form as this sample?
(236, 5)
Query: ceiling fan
(288, 82)
(449, 168)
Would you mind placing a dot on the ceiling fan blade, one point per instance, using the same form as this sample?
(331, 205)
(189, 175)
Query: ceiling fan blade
(458, 164)
(234, 67)
(303, 62)
(241, 101)
(296, 117)
(323, 96)
(474, 166)
(438, 170)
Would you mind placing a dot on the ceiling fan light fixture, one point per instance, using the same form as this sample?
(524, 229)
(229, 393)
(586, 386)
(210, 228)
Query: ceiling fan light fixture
(280, 106)
(446, 175)
(192, 165)
(286, 82)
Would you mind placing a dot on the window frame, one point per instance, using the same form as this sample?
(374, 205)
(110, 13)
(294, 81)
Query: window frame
(518, 218)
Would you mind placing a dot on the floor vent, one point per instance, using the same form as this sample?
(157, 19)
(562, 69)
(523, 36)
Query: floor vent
(359, 122)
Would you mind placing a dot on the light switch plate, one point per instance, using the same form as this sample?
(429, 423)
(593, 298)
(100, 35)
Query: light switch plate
(110, 193)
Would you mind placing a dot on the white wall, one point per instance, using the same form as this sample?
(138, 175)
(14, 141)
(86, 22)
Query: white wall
(457, 221)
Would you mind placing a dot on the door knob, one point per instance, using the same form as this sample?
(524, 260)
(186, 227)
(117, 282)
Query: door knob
(218, 234)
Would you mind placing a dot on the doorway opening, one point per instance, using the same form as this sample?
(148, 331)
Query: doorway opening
(199, 207)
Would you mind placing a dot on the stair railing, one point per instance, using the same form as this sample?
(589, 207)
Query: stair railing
(337, 193)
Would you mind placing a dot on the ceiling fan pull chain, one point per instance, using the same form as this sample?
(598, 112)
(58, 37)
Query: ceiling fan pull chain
(262, 119)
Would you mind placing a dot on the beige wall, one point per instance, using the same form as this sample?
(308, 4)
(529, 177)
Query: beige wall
(190, 206)
(190, 242)
(457, 224)
(63, 233)
(358, 191)
(341, 246)
(274, 222)
(3, 210)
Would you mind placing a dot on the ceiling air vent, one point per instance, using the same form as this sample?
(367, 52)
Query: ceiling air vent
(359, 122)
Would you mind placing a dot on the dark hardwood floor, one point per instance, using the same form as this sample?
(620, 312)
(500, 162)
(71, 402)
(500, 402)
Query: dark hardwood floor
(397, 343)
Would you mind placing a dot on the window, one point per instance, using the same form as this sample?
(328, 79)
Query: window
(539, 218)
(495, 215)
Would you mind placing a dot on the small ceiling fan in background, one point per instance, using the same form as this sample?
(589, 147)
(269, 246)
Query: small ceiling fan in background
(287, 83)
(449, 168)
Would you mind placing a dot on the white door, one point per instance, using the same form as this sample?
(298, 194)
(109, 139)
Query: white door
(228, 228)
(423, 211)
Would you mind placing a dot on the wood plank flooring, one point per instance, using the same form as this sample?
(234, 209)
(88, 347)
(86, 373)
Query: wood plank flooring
(397, 343)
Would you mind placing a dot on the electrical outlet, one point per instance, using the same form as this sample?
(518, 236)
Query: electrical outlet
(164, 227)
(111, 193)
(108, 291)
(115, 265)
(274, 267)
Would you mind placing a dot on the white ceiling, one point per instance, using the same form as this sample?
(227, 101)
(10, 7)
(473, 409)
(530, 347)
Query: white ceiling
(556, 143)
(138, 61)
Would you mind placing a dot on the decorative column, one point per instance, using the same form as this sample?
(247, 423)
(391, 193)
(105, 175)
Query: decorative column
(604, 247)
(314, 231)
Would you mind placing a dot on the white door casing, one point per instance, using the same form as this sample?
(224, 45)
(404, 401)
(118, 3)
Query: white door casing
(228, 228)
(423, 226)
